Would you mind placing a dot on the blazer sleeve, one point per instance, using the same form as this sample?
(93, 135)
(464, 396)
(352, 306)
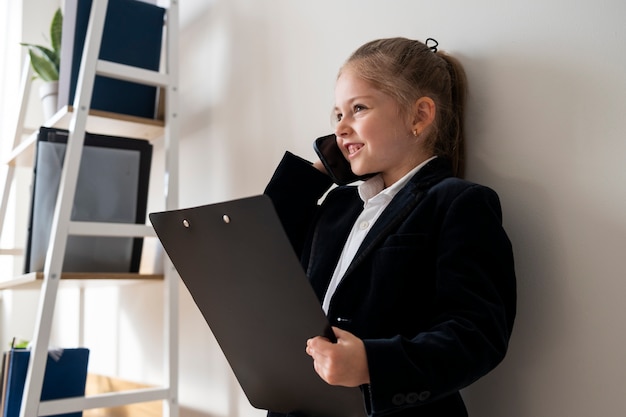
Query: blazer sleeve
(474, 311)
(295, 189)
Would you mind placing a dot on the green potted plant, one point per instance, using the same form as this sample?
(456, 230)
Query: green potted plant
(46, 62)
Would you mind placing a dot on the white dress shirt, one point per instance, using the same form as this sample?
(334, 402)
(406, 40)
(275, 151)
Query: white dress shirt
(375, 198)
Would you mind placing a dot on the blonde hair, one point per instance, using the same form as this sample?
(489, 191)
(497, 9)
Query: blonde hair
(408, 69)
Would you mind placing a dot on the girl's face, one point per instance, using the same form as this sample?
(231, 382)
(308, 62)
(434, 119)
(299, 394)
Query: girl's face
(372, 132)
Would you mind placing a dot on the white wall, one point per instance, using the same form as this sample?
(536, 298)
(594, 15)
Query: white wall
(545, 113)
(545, 129)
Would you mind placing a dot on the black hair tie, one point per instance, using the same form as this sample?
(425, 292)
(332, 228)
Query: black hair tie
(432, 47)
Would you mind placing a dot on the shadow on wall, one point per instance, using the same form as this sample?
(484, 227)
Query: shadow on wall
(530, 137)
(202, 61)
(225, 75)
(496, 136)
(538, 294)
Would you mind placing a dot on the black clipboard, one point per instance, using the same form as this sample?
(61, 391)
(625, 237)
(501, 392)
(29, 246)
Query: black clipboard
(237, 263)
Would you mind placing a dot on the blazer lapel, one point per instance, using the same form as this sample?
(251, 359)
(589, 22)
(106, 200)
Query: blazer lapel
(337, 224)
(400, 207)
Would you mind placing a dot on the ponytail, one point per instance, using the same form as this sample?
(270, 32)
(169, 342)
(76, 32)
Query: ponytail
(456, 116)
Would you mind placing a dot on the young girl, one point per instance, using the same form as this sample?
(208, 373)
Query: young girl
(412, 266)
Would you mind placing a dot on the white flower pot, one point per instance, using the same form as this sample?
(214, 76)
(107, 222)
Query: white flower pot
(49, 92)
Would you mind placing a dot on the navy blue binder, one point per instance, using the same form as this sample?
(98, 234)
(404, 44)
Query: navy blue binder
(65, 376)
(133, 32)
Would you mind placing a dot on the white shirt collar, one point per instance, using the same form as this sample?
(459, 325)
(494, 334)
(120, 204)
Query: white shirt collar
(375, 185)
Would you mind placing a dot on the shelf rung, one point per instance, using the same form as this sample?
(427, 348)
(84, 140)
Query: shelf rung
(34, 280)
(12, 251)
(111, 399)
(109, 229)
(22, 154)
(130, 73)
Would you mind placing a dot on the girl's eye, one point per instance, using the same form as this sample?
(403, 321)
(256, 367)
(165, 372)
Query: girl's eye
(338, 117)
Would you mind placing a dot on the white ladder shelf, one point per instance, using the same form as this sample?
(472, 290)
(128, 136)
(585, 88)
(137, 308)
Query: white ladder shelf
(76, 120)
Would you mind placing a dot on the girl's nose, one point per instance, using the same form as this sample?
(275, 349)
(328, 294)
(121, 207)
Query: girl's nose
(342, 128)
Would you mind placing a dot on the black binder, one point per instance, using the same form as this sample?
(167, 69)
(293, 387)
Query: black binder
(236, 261)
(112, 186)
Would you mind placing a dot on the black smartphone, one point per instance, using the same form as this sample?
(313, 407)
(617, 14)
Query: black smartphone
(335, 163)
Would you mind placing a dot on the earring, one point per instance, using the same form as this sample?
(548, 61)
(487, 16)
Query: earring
(415, 133)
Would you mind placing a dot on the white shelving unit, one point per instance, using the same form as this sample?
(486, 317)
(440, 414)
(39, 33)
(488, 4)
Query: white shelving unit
(78, 119)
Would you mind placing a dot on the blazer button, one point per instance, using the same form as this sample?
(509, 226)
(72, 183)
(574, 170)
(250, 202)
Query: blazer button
(398, 399)
(412, 397)
(423, 396)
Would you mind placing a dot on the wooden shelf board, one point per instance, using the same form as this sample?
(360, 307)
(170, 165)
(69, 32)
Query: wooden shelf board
(34, 280)
(114, 124)
(98, 384)
(99, 122)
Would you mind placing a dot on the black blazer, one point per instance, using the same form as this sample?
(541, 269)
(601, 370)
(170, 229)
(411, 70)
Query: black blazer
(431, 291)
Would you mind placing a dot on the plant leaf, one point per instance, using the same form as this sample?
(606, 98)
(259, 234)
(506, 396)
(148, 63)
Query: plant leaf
(42, 63)
(46, 61)
(56, 30)
(42, 50)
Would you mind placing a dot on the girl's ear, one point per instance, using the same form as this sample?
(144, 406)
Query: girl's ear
(424, 111)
